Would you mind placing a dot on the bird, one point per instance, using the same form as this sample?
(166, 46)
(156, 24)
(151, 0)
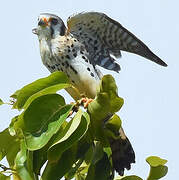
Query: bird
(90, 40)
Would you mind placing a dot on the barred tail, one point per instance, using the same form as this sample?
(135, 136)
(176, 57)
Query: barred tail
(122, 153)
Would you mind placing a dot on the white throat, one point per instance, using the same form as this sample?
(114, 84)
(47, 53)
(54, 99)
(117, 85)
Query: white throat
(45, 49)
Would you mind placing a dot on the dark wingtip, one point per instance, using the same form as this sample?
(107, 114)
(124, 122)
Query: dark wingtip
(144, 51)
(164, 64)
(156, 59)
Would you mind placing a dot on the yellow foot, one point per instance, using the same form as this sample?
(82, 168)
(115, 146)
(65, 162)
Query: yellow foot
(82, 102)
(86, 101)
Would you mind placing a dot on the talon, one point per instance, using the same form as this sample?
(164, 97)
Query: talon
(86, 101)
(83, 101)
(74, 109)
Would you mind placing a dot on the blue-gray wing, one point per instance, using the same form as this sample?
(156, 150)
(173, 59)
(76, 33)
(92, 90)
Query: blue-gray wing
(104, 38)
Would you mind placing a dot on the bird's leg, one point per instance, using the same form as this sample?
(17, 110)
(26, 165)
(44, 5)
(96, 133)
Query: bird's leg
(75, 108)
(85, 101)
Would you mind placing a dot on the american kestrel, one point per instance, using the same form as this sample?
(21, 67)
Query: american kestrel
(91, 39)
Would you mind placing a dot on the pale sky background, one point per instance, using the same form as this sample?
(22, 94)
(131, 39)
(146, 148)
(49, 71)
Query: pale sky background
(151, 111)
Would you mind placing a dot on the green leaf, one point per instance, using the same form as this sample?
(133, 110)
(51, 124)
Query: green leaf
(73, 132)
(71, 173)
(114, 123)
(83, 169)
(20, 163)
(157, 167)
(9, 146)
(106, 103)
(89, 155)
(99, 107)
(155, 161)
(80, 177)
(100, 167)
(107, 100)
(43, 118)
(1, 102)
(108, 85)
(49, 90)
(38, 114)
(11, 128)
(38, 88)
(115, 102)
(101, 170)
(129, 178)
(108, 151)
(56, 170)
(3, 177)
(112, 126)
(15, 95)
(83, 146)
(98, 110)
(98, 153)
(80, 166)
(40, 156)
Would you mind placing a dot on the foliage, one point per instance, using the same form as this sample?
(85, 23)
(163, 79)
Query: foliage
(1, 102)
(71, 144)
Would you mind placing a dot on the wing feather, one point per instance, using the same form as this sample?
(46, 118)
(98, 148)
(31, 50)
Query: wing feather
(103, 36)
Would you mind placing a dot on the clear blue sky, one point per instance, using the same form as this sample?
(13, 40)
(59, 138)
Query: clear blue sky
(151, 111)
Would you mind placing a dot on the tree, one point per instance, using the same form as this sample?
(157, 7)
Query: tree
(73, 142)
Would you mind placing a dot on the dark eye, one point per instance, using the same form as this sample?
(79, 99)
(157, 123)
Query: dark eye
(54, 21)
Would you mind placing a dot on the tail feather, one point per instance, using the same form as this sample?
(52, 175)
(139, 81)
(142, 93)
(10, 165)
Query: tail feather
(123, 154)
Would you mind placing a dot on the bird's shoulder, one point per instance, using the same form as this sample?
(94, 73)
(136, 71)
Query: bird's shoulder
(66, 44)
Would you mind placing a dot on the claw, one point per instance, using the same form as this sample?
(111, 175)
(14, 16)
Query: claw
(86, 101)
(74, 109)
(83, 101)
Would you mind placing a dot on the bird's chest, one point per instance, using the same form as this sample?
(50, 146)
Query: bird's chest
(73, 61)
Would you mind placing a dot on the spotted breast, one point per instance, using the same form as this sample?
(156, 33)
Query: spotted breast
(67, 54)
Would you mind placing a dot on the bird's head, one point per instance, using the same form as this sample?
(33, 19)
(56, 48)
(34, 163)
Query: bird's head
(49, 26)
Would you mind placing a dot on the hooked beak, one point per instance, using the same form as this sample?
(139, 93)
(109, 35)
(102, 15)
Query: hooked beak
(43, 22)
(34, 31)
